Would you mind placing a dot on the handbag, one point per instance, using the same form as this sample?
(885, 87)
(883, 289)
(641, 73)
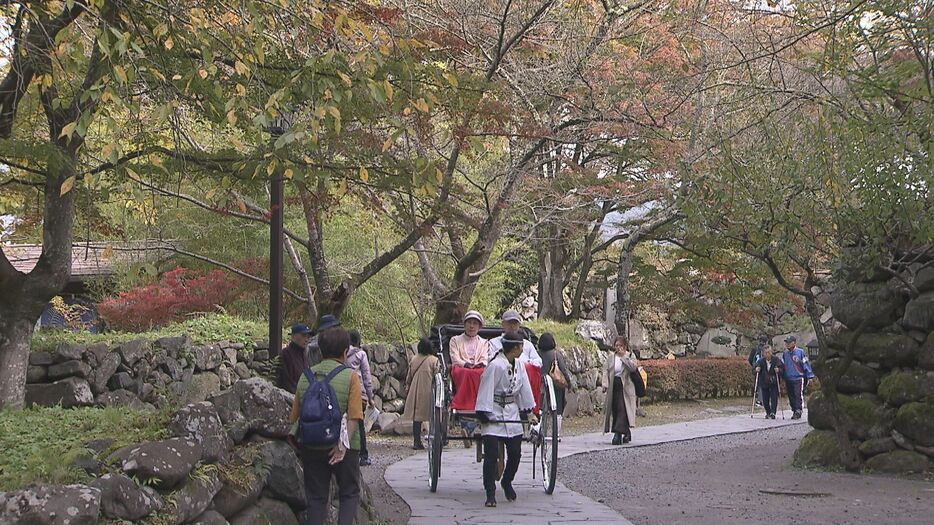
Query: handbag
(638, 382)
(556, 375)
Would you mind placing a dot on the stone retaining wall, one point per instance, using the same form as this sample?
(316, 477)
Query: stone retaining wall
(884, 356)
(226, 462)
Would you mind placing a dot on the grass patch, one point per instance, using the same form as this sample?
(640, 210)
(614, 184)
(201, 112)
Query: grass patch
(563, 332)
(202, 329)
(39, 444)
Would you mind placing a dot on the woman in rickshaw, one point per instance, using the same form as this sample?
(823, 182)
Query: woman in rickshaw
(505, 396)
(469, 355)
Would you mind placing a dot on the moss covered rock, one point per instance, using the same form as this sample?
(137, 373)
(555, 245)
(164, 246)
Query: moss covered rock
(899, 462)
(926, 353)
(857, 378)
(916, 422)
(901, 387)
(889, 350)
(819, 413)
(877, 304)
(872, 447)
(867, 416)
(819, 448)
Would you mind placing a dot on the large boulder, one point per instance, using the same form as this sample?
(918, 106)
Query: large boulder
(51, 505)
(594, 331)
(173, 345)
(819, 448)
(167, 463)
(133, 351)
(200, 423)
(379, 353)
(196, 496)
(37, 374)
(875, 304)
(898, 462)
(889, 350)
(122, 398)
(41, 359)
(73, 368)
(68, 352)
(820, 415)
(286, 480)
(867, 416)
(902, 387)
(105, 369)
(123, 499)
(385, 420)
(70, 392)
(919, 313)
(266, 407)
(872, 447)
(266, 511)
(717, 342)
(201, 387)
(856, 378)
(234, 496)
(916, 422)
(227, 404)
(210, 517)
(208, 357)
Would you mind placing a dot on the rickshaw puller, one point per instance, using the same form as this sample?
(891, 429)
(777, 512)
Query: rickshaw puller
(505, 394)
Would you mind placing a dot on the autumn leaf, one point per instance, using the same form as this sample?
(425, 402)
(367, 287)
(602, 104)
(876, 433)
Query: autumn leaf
(364, 174)
(121, 73)
(67, 185)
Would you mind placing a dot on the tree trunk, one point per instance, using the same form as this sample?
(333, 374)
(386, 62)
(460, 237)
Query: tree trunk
(319, 265)
(15, 339)
(553, 265)
(622, 289)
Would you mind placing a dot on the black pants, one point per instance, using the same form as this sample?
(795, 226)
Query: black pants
(362, 431)
(620, 415)
(491, 457)
(795, 389)
(769, 397)
(318, 485)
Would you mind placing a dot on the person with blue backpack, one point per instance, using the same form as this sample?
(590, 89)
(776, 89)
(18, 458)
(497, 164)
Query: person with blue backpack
(797, 374)
(326, 415)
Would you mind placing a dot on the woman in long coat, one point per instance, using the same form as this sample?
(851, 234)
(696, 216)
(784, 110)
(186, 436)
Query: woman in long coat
(620, 406)
(418, 401)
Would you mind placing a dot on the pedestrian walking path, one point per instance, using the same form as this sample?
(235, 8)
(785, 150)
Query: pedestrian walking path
(459, 499)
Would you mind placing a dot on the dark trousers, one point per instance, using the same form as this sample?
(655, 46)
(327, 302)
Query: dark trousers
(620, 416)
(769, 397)
(491, 457)
(318, 485)
(363, 452)
(795, 389)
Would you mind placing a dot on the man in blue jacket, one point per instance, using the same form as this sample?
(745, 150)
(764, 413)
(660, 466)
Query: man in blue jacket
(797, 374)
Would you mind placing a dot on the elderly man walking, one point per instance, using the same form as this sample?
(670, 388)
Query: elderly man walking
(797, 374)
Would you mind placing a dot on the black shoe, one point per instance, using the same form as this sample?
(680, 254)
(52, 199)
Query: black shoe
(490, 499)
(796, 415)
(508, 490)
(770, 416)
(418, 446)
(365, 462)
(617, 439)
(627, 438)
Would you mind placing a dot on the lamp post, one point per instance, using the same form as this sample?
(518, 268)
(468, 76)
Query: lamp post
(813, 349)
(279, 126)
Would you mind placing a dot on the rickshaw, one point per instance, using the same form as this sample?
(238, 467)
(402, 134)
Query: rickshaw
(543, 436)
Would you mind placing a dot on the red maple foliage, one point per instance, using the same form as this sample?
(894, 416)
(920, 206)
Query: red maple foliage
(177, 293)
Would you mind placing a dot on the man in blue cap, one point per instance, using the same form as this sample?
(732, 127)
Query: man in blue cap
(292, 358)
(797, 374)
(313, 355)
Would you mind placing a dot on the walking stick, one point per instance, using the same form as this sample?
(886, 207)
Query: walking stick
(778, 384)
(755, 390)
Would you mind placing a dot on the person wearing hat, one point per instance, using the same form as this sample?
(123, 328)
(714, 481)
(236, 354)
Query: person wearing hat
(552, 358)
(469, 355)
(797, 374)
(469, 350)
(292, 359)
(313, 353)
(512, 322)
(505, 396)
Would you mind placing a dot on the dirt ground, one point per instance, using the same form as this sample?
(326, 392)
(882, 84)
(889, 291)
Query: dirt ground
(386, 450)
(722, 479)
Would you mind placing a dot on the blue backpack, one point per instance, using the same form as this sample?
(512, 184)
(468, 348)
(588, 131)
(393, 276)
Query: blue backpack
(319, 420)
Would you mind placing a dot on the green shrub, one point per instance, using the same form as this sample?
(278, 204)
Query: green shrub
(201, 329)
(40, 444)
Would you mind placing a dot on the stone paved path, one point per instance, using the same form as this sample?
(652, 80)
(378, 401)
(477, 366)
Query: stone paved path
(459, 499)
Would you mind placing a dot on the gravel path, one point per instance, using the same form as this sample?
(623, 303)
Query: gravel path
(719, 479)
(385, 451)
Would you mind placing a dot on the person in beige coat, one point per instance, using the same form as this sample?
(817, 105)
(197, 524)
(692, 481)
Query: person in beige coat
(620, 405)
(418, 401)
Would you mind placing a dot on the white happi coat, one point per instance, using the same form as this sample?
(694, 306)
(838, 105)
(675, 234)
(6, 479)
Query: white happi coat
(504, 379)
(529, 353)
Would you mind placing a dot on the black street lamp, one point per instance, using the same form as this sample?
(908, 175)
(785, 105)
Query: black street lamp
(277, 128)
(813, 349)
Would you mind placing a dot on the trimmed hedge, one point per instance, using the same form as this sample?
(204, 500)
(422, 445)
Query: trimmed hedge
(675, 379)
